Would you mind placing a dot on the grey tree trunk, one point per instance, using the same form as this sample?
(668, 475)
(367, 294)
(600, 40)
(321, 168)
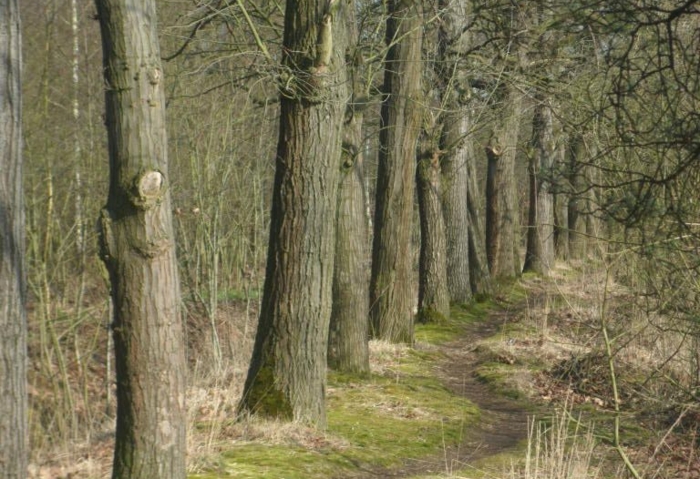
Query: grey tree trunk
(13, 283)
(287, 375)
(451, 78)
(562, 193)
(138, 248)
(348, 349)
(391, 284)
(502, 212)
(433, 294)
(577, 204)
(479, 275)
(539, 256)
(455, 187)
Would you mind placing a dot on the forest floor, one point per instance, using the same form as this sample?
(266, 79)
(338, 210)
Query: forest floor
(517, 386)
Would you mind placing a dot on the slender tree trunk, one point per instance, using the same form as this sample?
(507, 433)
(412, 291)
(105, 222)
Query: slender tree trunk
(539, 256)
(433, 294)
(479, 275)
(13, 284)
(577, 199)
(391, 284)
(562, 193)
(138, 248)
(287, 375)
(348, 349)
(502, 212)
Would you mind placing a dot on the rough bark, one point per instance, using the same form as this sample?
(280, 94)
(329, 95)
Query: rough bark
(455, 187)
(287, 375)
(452, 43)
(562, 193)
(539, 256)
(479, 275)
(502, 237)
(138, 248)
(577, 199)
(348, 349)
(391, 284)
(13, 320)
(433, 294)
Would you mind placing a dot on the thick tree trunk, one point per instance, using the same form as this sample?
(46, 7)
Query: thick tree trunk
(13, 319)
(539, 257)
(138, 247)
(287, 375)
(433, 294)
(454, 119)
(391, 285)
(348, 349)
(455, 187)
(502, 212)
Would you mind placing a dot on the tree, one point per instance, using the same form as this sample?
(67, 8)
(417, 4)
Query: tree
(13, 320)
(348, 348)
(433, 294)
(539, 256)
(391, 283)
(454, 119)
(137, 246)
(287, 374)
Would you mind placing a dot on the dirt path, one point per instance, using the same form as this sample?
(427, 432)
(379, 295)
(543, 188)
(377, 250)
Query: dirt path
(503, 422)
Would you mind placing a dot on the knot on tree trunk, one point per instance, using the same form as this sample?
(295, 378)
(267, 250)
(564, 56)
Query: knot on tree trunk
(149, 187)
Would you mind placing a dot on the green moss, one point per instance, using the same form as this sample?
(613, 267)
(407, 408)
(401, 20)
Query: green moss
(387, 421)
(494, 375)
(430, 316)
(255, 461)
(265, 398)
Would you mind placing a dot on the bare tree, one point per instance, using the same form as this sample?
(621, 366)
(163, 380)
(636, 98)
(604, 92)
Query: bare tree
(391, 284)
(287, 374)
(348, 348)
(137, 246)
(13, 320)
(539, 256)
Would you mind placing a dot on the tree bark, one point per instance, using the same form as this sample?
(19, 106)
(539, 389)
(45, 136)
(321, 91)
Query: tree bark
(502, 213)
(391, 284)
(287, 375)
(348, 349)
(138, 248)
(451, 78)
(433, 294)
(13, 284)
(539, 257)
(479, 275)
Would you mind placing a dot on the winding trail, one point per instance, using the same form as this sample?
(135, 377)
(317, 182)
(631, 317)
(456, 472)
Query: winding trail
(503, 422)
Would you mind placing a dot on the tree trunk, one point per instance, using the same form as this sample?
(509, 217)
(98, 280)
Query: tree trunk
(451, 78)
(13, 319)
(433, 294)
(577, 199)
(455, 187)
(502, 212)
(539, 257)
(138, 248)
(287, 375)
(391, 285)
(562, 193)
(479, 275)
(348, 349)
